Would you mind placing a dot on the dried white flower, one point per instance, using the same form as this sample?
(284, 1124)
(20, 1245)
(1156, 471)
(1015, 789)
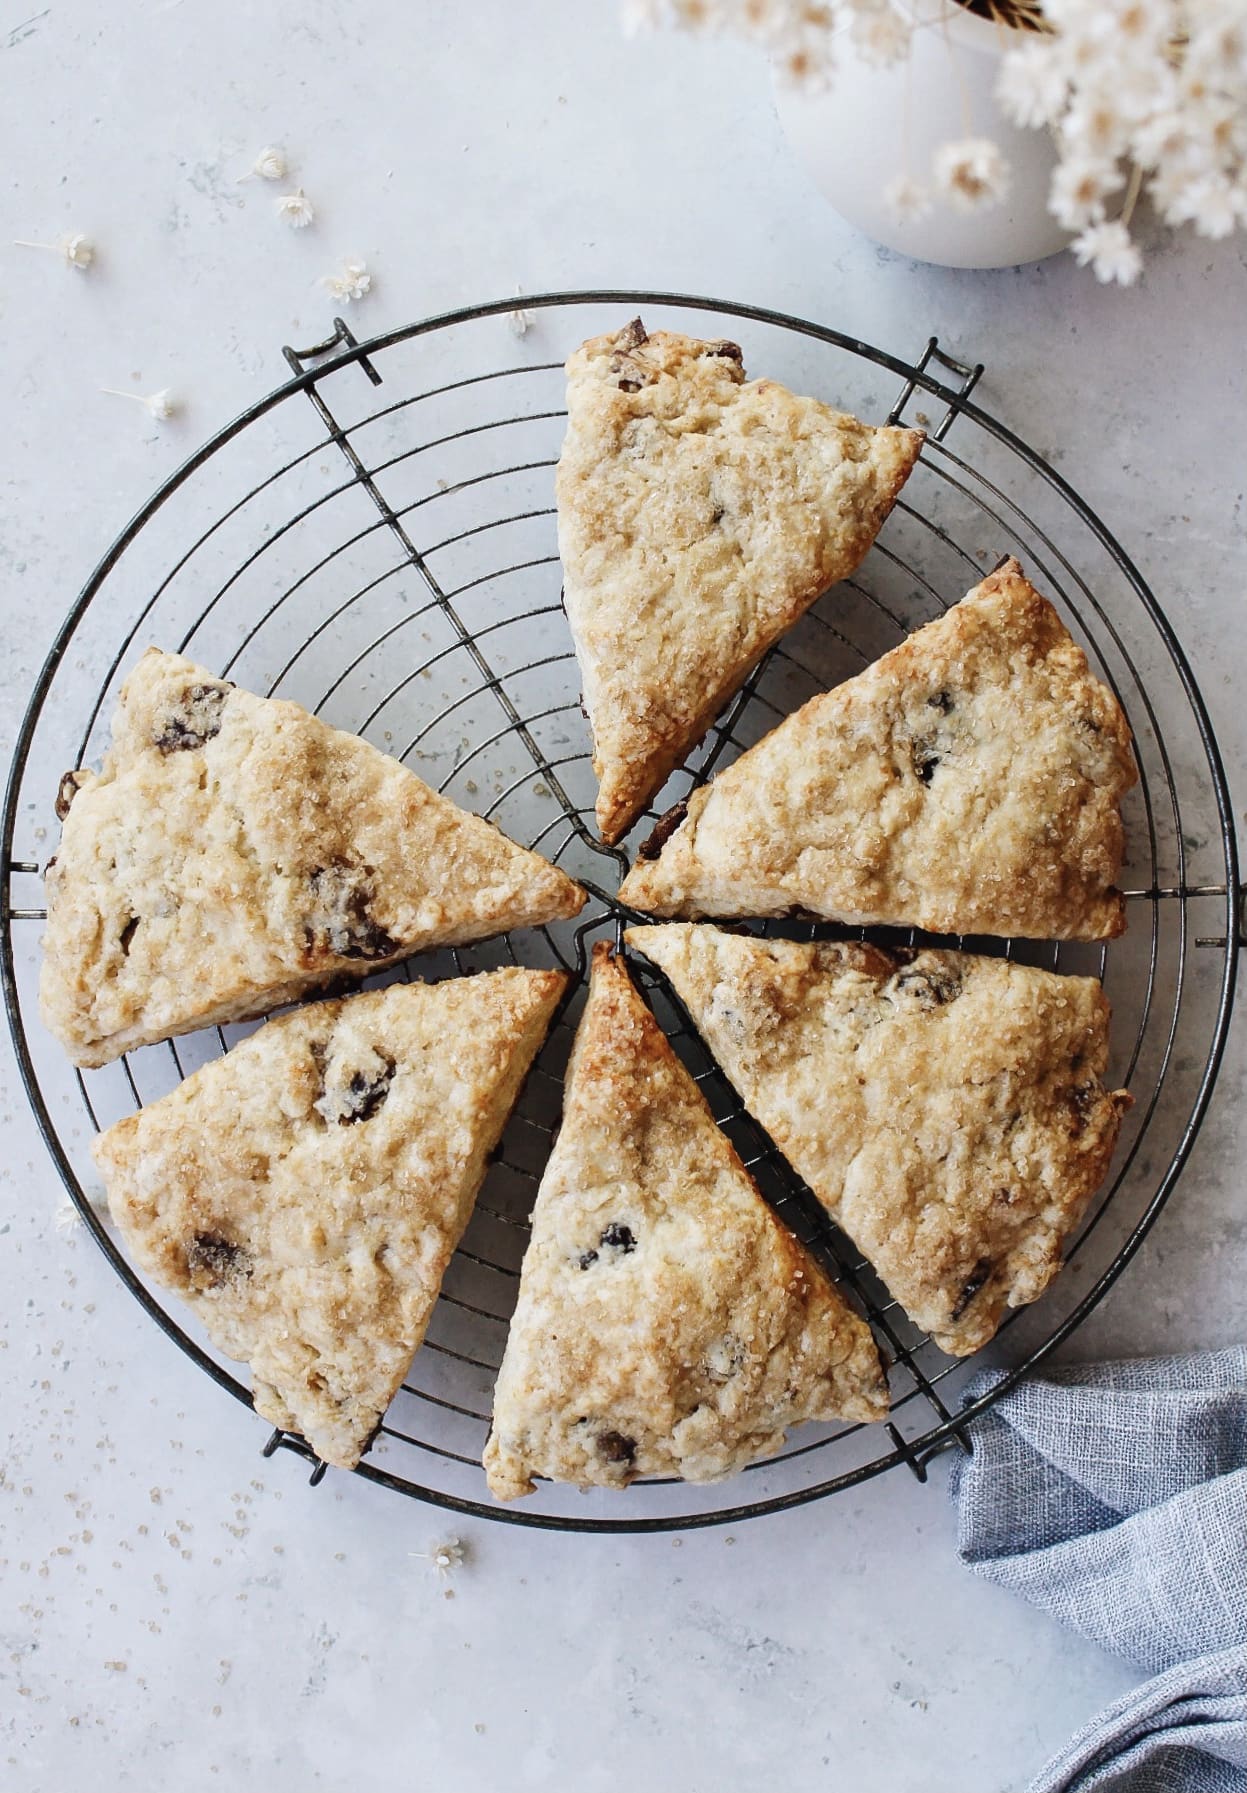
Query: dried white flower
(161, 405)
(1081, 27)
(1161, 138)
(1079, 188)
(446, 1557)
(880, 35)
(1033, 83)
(971, 173)
(1167, 191)
(1144, 23)
(796, 34)
(269, 165)
(807, 63)
(1110, 252)
(520, 321)
(66, 1218)
(79, 251)
(1218, 38)
(296, 209)
(76, 250)
(1095, 125)
(907, 199)
(1211, 204)
(1140, 89)
(641, 15)
(352, 283)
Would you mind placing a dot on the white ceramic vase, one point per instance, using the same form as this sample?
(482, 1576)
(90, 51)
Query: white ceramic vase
(876, 124)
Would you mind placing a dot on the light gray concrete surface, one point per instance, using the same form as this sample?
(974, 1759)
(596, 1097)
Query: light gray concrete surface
(175, 1610)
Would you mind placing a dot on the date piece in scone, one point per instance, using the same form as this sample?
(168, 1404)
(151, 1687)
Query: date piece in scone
(304, 1193)
(699, 515)
(667, 1323)
(947, 1109)
(234, 852)
(969, 782)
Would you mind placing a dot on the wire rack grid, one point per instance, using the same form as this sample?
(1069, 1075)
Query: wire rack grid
(375, 539)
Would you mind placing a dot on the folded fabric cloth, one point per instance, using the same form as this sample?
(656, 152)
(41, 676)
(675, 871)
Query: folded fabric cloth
(1182, 1732)
(1115, 1496)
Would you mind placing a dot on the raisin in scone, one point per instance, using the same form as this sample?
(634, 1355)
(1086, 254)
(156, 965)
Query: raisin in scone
(946, 1109)
(234, 852)
(969, 782)
(699, 515)
(304, 1193)
(667, 1324)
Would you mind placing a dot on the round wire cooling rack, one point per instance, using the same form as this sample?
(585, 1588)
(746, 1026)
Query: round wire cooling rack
(376, 540)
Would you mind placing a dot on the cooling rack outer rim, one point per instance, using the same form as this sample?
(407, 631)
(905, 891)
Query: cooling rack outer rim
(340, 351)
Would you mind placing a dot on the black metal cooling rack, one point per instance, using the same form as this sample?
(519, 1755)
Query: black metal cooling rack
(375, 538)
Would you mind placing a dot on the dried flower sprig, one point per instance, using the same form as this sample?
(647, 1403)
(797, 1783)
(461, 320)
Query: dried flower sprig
(160, 405)
(352, 282)
(445, 1557)
(66, 1217)
(1109, 251)
(1146, 94)
(269, 165)
(519, 321)
(907, 199)
(1141, 95)
(972, 173)
(66, 1220)
(296, 209)
(75, 249)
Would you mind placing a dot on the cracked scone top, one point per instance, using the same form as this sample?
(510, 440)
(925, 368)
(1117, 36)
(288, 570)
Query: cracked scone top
(699, 515)
(304, 1194)
(969, 782)
(235, 852)
(947, 1109)
(667, 1323)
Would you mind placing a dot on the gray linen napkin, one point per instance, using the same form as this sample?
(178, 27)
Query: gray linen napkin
(1115, 1497)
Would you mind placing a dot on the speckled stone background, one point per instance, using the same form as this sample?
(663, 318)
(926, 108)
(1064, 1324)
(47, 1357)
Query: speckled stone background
(175, 1610)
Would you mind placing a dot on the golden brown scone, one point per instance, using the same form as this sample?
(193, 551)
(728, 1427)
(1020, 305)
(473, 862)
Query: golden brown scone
(968, 783)
(234, 853)
(304, 1193)
(946, 1109)
(667, 1323)
(699, 515)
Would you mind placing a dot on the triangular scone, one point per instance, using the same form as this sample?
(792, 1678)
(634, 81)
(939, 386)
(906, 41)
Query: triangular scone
(304, 1193)
(699, 515)
(967, 783)
(234, 852)
(946, 1109)
(667, 1324)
